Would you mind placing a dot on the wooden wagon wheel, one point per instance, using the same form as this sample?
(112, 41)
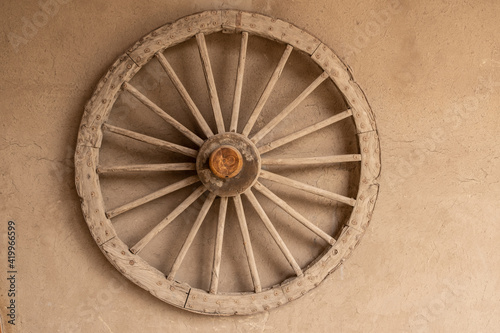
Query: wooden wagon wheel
(228, 165)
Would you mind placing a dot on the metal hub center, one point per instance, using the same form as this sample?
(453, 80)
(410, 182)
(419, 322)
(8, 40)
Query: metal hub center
(228, 164)
(225, 162)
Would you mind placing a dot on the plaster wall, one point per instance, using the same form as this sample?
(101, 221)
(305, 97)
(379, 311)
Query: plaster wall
(429, 262)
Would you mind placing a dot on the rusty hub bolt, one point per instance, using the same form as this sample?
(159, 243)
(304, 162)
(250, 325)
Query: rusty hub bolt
(225, 162)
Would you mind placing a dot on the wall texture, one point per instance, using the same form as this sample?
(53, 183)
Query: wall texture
(429, 261)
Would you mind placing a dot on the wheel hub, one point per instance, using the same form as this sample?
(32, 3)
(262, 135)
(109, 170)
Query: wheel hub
(228, 164)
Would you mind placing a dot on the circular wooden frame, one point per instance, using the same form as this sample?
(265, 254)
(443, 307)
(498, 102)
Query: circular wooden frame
(97, 110)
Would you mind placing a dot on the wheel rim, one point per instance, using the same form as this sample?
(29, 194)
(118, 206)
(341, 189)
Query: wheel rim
(245, 184)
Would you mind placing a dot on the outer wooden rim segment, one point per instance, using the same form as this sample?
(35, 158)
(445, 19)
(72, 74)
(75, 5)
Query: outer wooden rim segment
(90, 137)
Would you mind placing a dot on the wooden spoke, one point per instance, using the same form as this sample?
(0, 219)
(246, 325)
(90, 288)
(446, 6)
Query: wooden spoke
(312, 160)
(287, 208)
(247, 243)
(146, 168)
(160, 112)
(166, 221)
(214, 283)
(276, 120)
(150, 197)
(274, 233)
(239, 83)
(209, 76)
(192, 234)
(308, 130)
(184, 94)
(305, 187)
(267, 91)
(152, 141)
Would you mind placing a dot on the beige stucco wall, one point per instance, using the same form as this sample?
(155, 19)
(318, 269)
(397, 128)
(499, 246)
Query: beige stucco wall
(429, 261)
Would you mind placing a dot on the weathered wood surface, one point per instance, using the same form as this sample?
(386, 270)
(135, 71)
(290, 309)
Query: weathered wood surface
(301, 161)
(209, 77)
(234, 303)
(146, 168)
(288, 109)
(161, 113)
(152, 196)
(362, 212)
(274, 233)
(238, 88)
(247, 243)
(305, 187)
(192, 234)
(368, 185)
(342, 77)
(167, 220)
(250, 303)
(150, 140)
(174, 33)
(325, 265)
(144, 275)
(89, 189)
(270, 27)
(370, 155)
(292, 212)
(97, 109)
(221, 222)
(90, 136)
(185, 95)
(306, 131)
(267, 91)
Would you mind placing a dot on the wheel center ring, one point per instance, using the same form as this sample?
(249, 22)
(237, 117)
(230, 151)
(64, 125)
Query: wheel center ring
(228, 164)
